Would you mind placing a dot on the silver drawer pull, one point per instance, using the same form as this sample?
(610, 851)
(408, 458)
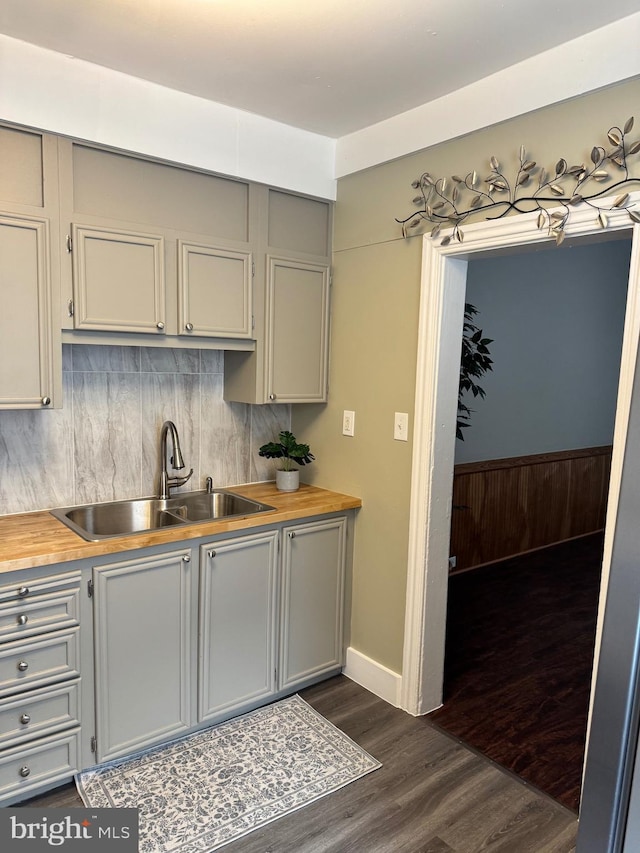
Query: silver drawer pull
(22, 619)
(292, 534)
(24, 590)
(23, 666)
(211, 554)
(25, 771)
(25, 719)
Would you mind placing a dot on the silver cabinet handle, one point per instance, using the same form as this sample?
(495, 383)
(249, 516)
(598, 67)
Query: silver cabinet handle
(189, 327)
(23, 591)
(23, 619)
(187, 558)
(23, 666)
(272, 396)
(160, 325)
(292, 534)
(46, 401)
(211, 554)
(24, 771)
(25, 719)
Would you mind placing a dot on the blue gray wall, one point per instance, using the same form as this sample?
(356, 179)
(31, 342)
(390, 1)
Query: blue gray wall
(556, 317)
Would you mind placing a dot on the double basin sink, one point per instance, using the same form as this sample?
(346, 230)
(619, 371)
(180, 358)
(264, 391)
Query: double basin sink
(123, 518)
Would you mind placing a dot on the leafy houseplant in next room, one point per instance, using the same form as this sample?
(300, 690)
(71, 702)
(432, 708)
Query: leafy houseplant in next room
(474, 362)
(291, 454)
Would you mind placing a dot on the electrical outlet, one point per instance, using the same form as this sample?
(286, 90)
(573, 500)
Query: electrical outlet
(401, 426)
(453, 561)
(348, 423)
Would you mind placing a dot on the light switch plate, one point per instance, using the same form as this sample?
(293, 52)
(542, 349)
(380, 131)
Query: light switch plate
(401, 426)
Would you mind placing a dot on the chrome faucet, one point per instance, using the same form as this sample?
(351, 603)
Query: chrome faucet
(177, 462)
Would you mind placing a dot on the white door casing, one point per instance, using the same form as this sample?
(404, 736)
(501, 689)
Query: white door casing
(443, 285)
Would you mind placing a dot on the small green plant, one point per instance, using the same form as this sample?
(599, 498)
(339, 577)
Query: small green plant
(474, 362)
(287, 449)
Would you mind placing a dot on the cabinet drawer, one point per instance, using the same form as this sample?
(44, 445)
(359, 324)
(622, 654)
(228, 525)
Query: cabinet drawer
(38, 662)
(46, 761)
(38, 614)
(37, 713)
(26, 590)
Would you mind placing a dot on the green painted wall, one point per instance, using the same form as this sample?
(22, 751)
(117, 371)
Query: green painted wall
(376, 283)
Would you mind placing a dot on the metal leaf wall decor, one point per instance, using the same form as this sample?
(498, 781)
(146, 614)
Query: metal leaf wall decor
(449, 202)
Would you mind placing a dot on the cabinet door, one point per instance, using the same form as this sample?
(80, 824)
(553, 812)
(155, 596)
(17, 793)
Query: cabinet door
(297, 331)
(238, 595)
(215, 291)
(29, 345)
(118, 280)
(143, 642)
(312, 600)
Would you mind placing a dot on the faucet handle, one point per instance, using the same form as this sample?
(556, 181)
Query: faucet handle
(180, 481)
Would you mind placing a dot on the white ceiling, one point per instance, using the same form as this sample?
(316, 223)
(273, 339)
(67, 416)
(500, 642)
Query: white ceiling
(328, 66)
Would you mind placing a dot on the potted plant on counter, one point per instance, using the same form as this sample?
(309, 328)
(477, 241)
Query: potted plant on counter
(291, 455)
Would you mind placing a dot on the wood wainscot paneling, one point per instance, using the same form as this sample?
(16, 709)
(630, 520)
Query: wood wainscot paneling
(506, 507)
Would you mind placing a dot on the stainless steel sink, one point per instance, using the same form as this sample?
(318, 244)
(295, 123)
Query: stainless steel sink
(207, 505)
(141, 515)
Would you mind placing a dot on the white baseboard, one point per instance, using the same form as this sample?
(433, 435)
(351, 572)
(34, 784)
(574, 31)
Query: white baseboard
(375, 677)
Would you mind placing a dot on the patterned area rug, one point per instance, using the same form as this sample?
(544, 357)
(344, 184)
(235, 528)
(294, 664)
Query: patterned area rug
(203, 791)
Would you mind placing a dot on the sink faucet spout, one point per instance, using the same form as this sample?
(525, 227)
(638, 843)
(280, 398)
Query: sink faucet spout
(176, 460)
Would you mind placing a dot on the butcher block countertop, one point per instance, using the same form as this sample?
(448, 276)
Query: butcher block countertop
(38, 539)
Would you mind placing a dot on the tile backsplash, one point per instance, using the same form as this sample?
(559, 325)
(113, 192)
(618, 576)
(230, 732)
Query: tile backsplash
(104, 443)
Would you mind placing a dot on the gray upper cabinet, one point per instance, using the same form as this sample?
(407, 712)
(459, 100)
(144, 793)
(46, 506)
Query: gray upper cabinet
(129, 250)
(157, 250)
(30, 349)
(119, 280)
(215, 291)
(290, 364)
(296, 331)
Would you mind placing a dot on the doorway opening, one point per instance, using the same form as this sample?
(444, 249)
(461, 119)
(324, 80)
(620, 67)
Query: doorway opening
(529, 507)
(441, 311)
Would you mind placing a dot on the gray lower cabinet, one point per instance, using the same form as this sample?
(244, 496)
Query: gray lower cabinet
(313, 581)
(143, 652)
(264, 612)
(238, 630)
(40, 682)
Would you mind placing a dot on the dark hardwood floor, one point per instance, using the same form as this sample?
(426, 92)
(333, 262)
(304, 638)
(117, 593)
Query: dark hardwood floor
(519, 653)
(432, 794)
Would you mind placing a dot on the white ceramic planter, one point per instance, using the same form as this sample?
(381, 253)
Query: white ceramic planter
(287, 481)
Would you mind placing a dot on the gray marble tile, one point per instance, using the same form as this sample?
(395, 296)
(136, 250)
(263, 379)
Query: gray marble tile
(159, 360)
(104, 444)
(211, 361)
(112, 359)
(225, 436)
(67, 358)
(107, 436)
(174, 397)
(266, 423)
(36, 458)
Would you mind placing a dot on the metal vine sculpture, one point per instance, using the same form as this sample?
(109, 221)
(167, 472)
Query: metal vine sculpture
(451, 201)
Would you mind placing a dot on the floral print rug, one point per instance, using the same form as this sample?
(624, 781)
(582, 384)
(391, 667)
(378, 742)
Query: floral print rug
(203, 791)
